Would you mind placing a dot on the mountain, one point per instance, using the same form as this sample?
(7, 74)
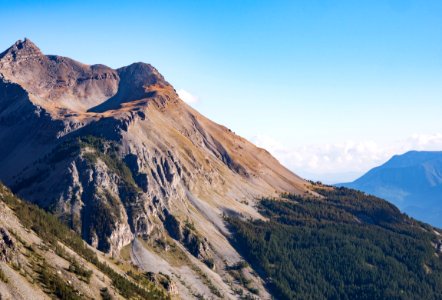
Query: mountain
(411, 181)
(173, 205)
(121, 159)
(40, 258)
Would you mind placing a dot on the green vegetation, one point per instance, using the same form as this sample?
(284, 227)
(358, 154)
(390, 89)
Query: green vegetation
(239, 276)
(74, 266)
(3, 276)
(105, 295)
(239, 265)
(207, 281)
(79, 270)
(51, 230)
(344, 245)
(237, 272)
(189, 225)
(162, 279)
(56, 285)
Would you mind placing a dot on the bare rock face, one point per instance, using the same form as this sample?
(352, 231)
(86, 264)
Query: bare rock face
(7, 245)
(117, 155)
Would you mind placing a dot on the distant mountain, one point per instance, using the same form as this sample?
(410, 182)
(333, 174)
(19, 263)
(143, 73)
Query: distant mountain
(411, 181)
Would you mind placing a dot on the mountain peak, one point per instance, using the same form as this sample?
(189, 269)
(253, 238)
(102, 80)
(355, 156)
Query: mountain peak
(21, 49)
(26, 44)
(412, 158)
(142, 73)
(61, 83)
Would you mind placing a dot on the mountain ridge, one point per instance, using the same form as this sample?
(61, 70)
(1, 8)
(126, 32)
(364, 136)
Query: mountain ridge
(412, 181)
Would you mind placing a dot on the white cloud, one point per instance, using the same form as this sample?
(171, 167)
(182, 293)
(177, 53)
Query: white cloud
(424, 142)
(187, 97)
(344, 161)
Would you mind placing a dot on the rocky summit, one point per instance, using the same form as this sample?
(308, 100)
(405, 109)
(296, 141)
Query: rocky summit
(121, 159)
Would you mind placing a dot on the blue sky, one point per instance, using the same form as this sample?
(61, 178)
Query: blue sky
(332, 88)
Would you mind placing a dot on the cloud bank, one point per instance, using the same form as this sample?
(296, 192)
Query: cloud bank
(339, 162)
(187, 97)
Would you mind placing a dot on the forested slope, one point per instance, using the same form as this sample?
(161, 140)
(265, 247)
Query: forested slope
(343, 245)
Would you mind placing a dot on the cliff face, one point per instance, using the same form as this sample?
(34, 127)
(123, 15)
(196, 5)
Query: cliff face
(117, 155)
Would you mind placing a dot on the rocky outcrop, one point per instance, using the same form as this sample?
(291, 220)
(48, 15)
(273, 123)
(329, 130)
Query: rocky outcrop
(163, 280)
(7, 245)
(186, 233)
